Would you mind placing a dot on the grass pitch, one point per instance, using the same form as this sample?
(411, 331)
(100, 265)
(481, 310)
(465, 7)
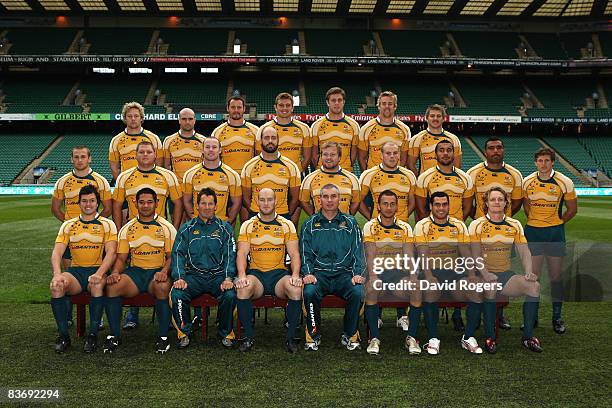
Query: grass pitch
(574, 369)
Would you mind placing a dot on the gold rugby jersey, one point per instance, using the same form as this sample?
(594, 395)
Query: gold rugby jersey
(442, 240)
(346, 181)
(68, 186)
(373, 135)
(376, 180)
(423, 146)
(457, 184)
(280, 175)
(268, 242)
(147, 242)
(160, 180)
(223, 180)
(184, 152)
(122, 147)
(237, 143)
(497, 239)
(483, 178)
(389, 240)
(546, 198)
(292, 139)
(343, 131)
(86, 239)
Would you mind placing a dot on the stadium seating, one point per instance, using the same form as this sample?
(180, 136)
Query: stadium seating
(414, 95)
(207, 91)
(572, 151)
(110, 95)
(559, 104)
(469, 158)
(34, 95)
(195, 41)
(605, 39)
(412, 43)
(601, 149)
(488, 96)
(118, 41)
(40, 41)
(261, 91)
(59, 157)
(347, 43)
(356, 92)
(573, 43)
(266, 42)
(18, 151)
(497, 44)
(546, 45)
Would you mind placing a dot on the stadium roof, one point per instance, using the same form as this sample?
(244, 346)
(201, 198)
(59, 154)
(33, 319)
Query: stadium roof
(593, 9)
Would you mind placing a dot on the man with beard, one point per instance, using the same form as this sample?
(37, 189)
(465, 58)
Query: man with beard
(271, 170)
(330, 173)
(264, 241)
(383, 128)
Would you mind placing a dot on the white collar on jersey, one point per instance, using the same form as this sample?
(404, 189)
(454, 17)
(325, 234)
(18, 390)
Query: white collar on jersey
(193, 132)
(489, 218)
(380, 221)
(486, 163)
(130, 134)
(277, 157)
(434, 221)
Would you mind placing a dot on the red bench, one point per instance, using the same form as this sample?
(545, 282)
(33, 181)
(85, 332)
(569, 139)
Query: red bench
(206, 301)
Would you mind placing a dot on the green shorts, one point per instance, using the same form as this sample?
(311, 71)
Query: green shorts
(549, 241)
(446, 275)
(504, 277)
(82, 274)
(269, 279)
(393, 276)
(141, 277)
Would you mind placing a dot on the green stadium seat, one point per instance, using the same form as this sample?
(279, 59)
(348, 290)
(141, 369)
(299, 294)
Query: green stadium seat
(601, 150)
(18, 150)
(262, 91)
(497, 44)
(573, 151)
(573, 42)
(40, 41)
(209, 91)
(414, 95)
(412, 43)
(488, 97)
(36, 95)
(118, 41)
(195, 41)
(546, 45)
(109, 96)
(560, 104)
(326, 42)
(266, 42)
(316, 88)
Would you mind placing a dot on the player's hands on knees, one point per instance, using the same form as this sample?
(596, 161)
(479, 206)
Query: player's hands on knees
(242, 283)
(95, 279)
(180, 284)
(531, 277)
(113, 278)
(160, 276)
(358, 280)
(308, 279)
(58, 282)
(295, 281)
(227, 285)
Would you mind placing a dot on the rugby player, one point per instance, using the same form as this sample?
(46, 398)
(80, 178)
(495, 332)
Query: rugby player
(147, 241)
(330, 173)
(335, 126)
(495, 172)
(383, 128)
(263, 242)
(333, 262)
(423, 144)
(545, 192)
(271, 170)
(493, 236)
(386, 237)
(442, 244)
(92, 241)
(216, 175)
(204, 261)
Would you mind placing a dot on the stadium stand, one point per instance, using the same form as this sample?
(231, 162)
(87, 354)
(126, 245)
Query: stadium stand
(261, 91)
(488, 96)
(469, 158)
(347, 43)
(573, 151)
(59, 157)
(18, 150)
(109, 96)
(356, 92)
(414, 95)
(28, 40)
(601, 149)
(497, 45)
(605, 39)
(560, 104)
(266, 42)
(412, 43)
(546, 45)
(118, 41)
(34, 95)
(195, 41)
(205, 92)
(575, 42)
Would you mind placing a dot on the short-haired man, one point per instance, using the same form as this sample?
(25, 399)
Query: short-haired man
(383, 128)
(271, 170)
(493, 237)
(237, 136)
(330, 173)
(386, 237)
(545, 192)
(92, 241)
(122, 149)
(423, 144)
(67, 187)
(263, 242)
(147, 174)
(147, 241)
(336, 127)
(218, 176)
(204, 261)
(333, 262)
(442, 240)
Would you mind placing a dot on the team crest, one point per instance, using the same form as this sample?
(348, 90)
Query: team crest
(215, 234)
(196, 232)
